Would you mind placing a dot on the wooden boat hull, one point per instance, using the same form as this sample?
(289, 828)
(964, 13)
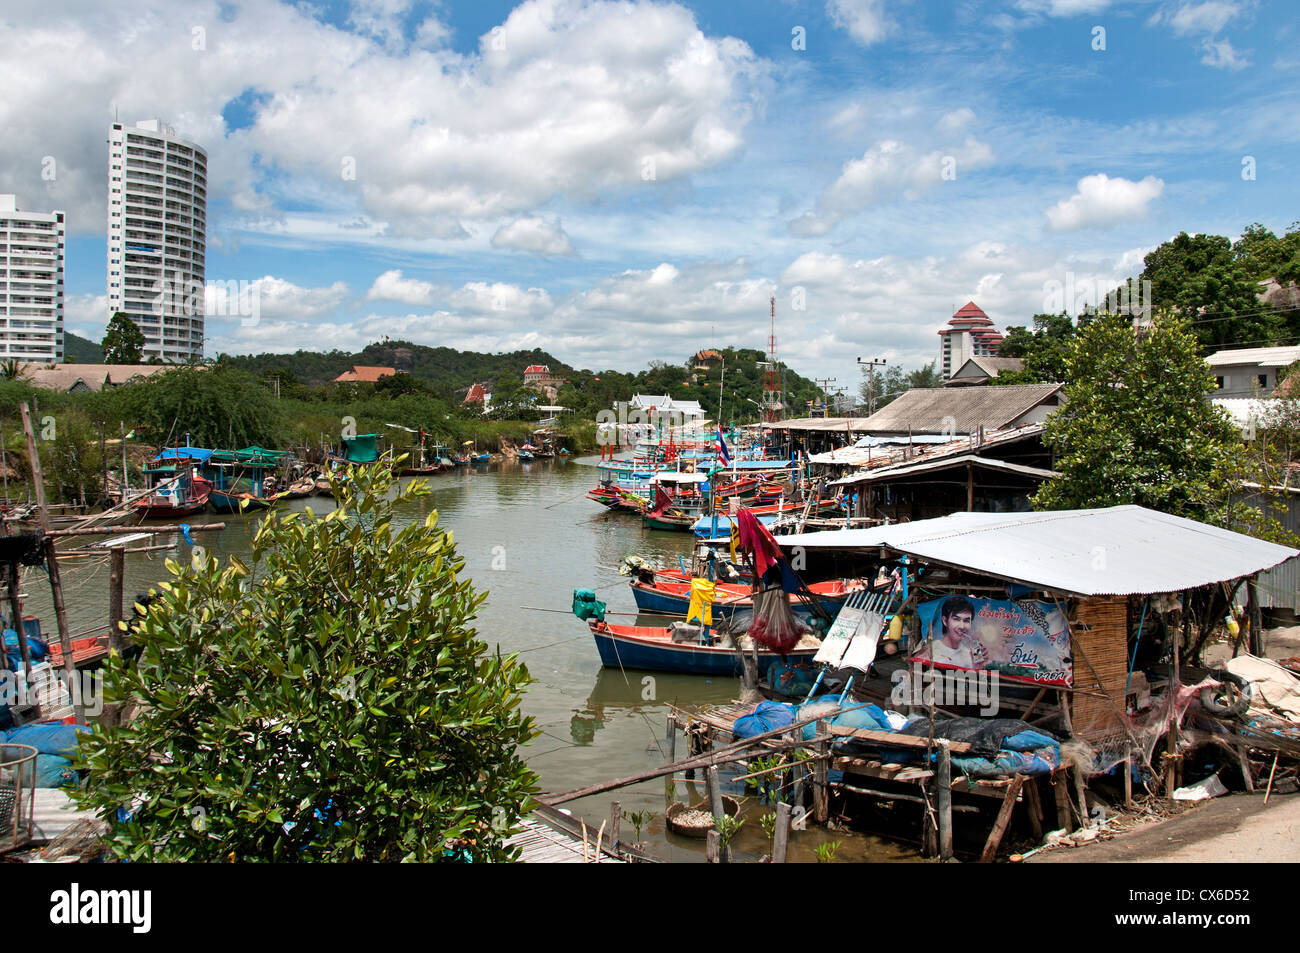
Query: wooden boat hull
(224, 502)
(675, 598)
(644, 647)
(669, 521)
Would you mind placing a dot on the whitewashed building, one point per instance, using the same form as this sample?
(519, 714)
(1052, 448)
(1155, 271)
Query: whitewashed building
(157, 236)
(31, 283)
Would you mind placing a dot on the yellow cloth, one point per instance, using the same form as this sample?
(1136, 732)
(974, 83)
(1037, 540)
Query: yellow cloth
(895, 628)
(701, 607)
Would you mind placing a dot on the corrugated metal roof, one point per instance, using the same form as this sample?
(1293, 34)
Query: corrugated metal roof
(958, 410)
(1263, 356)
(1120, 550)
(943, 463)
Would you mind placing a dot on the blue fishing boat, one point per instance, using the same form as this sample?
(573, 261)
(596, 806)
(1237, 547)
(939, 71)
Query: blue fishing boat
(653, 648)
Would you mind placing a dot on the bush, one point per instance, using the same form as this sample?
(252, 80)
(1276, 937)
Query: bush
(329, 702)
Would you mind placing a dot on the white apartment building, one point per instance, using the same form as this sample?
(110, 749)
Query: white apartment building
(157, 236)
(31, 283)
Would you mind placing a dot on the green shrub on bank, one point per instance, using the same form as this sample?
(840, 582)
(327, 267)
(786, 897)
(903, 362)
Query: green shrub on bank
(328, 702)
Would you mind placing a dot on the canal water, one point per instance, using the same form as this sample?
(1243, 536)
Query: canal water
(529, 537)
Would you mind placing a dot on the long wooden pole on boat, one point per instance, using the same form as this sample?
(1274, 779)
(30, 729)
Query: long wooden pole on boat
(52, 567)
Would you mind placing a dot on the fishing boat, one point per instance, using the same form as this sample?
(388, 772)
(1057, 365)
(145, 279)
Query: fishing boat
(322, 484)
(296, 490)
(240, 501)
(176, 489)
(664, 595)
(241, 480)
(653, 648)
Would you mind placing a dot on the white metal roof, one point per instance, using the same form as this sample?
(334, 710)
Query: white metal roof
(1119, 550)
(1263, 356)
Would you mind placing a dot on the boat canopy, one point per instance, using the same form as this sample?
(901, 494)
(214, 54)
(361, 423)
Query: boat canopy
(183, 453)
(249, 457)
(363, 448)
(673, 476)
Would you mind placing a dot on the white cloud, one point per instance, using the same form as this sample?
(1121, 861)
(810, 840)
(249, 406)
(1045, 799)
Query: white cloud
(567, 98)
(86, 315)
(1221, 55)
(276, 297)
(865, 20)
(1103, 201)
(956, 121)
(391, 286)
(1196, 18)
(1206, 20)
(1063, 8)
(536, 235)
(887, 171)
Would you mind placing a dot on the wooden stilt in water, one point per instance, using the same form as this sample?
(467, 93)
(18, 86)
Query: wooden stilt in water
(713, 848)
(615, 822)
(714, 789)
(781, 836)
(821, 769)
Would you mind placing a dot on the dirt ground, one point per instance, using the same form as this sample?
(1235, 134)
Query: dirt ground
(1236, 827)
(1232, 828)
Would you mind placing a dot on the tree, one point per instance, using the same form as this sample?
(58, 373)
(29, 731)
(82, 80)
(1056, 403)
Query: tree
(123, 341)
(1041, 350)
(328, 702)
(1198, 278)
(1137, 426)
(217, 406)
(895, 382)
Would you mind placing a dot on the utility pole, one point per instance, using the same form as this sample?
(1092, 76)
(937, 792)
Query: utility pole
(824, 381)
(871, 366)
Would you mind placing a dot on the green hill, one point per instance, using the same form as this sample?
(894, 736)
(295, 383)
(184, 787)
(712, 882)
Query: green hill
(79, 350)
(447, 372)
(443, 369)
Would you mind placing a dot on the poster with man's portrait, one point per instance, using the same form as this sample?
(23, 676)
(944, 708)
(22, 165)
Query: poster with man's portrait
(1024, 641)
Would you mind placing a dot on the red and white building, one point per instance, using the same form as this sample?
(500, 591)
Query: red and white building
(969, 334)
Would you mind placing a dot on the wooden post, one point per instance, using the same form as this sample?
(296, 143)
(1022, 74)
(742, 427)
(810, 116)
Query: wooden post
(1034, 803)
(714, 790)
(34, 461)
(970, 487)
(1128, 781)
(672, 738)
(781, 836)
(821, 771)
(1257, 646)
(713, 848)
(16, 609)
(116, 574)
(1061, 778)
(1171, 738)
(1079, 785)
(1003, 819)
(61, 619)
(615, 821)
(945, 799)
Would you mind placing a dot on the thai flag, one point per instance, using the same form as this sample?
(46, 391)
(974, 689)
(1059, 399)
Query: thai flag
(723, 456)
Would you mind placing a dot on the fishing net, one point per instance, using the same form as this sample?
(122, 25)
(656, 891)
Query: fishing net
(774, 625)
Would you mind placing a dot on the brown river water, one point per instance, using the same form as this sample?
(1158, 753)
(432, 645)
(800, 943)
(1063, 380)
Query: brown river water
(529, 537)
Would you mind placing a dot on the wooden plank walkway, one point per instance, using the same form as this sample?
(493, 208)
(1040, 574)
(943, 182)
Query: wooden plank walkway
(543, 844)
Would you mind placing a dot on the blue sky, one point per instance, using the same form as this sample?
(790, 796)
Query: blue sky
(626, 182)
